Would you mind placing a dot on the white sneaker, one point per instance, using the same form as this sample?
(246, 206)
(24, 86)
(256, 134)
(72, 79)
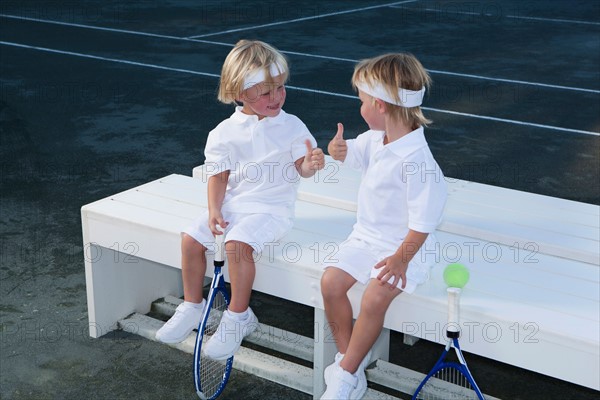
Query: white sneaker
(336, 362)
(361, 385)
(186, 318)
(342, 385)
(229, 335)
(329, 369)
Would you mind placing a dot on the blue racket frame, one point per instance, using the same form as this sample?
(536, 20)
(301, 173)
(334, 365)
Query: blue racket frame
(452, 333)
(217, 286)
(461, 367)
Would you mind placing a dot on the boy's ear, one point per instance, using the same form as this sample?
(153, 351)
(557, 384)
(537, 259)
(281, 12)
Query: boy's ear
(381, 106)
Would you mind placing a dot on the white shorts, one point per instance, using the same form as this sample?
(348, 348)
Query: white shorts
(256, 230)
(358, 258)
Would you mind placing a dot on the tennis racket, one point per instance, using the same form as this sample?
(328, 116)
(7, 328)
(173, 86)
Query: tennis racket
(450, 379)
(210, 376)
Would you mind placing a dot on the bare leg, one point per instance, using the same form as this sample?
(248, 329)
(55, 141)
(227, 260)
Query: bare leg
(335, 284)
(241, 274)
(369, 323)
(193, 268)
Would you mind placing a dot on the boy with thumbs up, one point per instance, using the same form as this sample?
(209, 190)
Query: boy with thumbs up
(254, 160)
(400, 203)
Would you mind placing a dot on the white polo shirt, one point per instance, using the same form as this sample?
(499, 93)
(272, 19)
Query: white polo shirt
(402, 188)
(260, 155)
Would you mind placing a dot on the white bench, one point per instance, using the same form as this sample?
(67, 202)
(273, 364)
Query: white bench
(533, 297)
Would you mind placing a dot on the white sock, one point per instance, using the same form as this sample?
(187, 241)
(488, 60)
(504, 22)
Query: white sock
(239, 317)
(194, 305)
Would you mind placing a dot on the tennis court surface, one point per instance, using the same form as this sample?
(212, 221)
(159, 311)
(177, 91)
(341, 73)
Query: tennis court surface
(99, 97)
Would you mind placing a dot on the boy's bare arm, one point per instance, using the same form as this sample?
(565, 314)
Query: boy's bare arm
(216, 194)
(337, 147)
(396, 265)
(313, 161)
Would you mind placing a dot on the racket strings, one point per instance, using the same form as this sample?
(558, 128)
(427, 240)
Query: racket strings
(212, 371)
(448, 383)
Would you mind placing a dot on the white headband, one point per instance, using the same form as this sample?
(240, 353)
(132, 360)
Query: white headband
(258, 75)
(408, 98)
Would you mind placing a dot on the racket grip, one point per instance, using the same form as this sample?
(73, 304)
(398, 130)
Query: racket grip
(220, 248)
(453, 327)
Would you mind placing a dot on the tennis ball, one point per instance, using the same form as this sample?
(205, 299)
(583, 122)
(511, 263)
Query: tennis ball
(456, 275)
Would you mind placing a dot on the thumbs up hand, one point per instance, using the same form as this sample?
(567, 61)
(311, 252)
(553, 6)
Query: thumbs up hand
(337, 147)
(315, 158)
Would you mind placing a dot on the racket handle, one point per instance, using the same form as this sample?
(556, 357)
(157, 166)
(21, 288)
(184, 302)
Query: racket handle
(220, 248)
(453, 328)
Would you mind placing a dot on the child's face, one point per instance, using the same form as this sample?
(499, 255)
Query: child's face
(264, 99)
(370, 110)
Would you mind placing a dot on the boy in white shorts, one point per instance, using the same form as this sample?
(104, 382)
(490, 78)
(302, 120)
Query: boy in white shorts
(254, 160)
(400, 203)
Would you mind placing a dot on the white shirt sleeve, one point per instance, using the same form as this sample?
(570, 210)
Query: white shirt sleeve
(426, 195)
(357, 156)
(217, 154)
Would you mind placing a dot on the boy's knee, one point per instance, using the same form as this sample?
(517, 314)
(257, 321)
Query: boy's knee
(326, 282)
(331, 286)
(191, 246)
(371, 303)
(377, 298)
(239, 251)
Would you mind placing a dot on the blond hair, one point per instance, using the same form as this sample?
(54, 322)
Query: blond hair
(394, 71)
(247, 56)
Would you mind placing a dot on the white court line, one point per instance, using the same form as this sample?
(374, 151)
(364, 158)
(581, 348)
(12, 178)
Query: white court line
(510, 121)
(541, 19)
(101, 28)
(114, 30)
(302, 19)
(484, 117)
(461, 75)
(116, 60)
(570, 21)
(70, 53)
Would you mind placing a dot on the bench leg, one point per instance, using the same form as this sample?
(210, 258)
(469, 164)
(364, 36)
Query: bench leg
(324, 352)
(118, 285)
(381, 348)
(410, 340)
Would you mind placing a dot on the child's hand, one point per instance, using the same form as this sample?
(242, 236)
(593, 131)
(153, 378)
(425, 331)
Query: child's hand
(315, 158)
(214, 220)
(392, 267)
(338, 148)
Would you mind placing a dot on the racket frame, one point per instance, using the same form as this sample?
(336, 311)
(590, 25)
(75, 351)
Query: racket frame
(453, 334)
(217, 285)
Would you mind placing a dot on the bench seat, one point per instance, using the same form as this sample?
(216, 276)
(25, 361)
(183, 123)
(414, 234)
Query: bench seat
(533, 297)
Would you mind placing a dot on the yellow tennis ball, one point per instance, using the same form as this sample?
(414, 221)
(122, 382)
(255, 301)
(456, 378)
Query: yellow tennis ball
(456, 275)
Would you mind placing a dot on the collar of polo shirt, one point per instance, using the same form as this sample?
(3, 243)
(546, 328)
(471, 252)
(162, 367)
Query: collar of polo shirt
(407, 144)
(241, 117)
